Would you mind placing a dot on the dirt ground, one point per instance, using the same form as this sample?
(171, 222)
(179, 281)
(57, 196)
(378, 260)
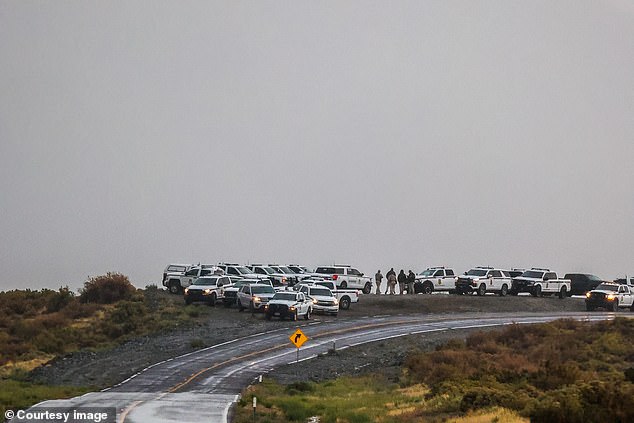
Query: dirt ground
(106, 367)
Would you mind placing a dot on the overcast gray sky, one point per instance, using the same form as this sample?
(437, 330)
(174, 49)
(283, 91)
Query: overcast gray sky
(405, 134)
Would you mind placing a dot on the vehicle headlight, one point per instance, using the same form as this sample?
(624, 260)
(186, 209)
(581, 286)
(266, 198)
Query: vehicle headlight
(611, 297)
(292, 308)
(207, 291)
(283, 279)
(186, 291)
(336, 301)
(588, 294)
(257, 299)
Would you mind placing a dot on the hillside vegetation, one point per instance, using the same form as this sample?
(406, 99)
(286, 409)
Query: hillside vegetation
(565, 371)
(37, 326)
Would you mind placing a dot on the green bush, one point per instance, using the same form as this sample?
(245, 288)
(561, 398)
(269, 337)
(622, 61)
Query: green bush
(107, 289)
(59, 300)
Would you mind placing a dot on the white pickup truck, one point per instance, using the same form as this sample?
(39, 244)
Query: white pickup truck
(345, 277)
(538, 282)
(483, 279)
(344, 296)
(611, 296)
(289, 304)
(177, 282)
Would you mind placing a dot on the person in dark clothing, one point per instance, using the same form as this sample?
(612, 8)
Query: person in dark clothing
(402, 279)
(378, 278)
(389, 273)
(411, 279)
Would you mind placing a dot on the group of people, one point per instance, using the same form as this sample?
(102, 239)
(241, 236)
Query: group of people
(405, 282)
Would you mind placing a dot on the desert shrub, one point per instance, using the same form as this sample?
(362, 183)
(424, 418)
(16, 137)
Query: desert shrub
(197, 343)
(60, 299)
(77, 310)
(556, 375)
(49, 343)
(299, 387)
(107, 289)
(484, 397)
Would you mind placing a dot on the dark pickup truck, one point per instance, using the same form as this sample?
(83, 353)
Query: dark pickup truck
(580, 283)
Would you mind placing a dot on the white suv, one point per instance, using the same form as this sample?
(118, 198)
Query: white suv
(484, 279)
(254, 296)
(435, 279)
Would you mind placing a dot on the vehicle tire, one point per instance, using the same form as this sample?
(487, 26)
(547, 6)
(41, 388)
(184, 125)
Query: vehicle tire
(504, 290)
(240, 306)
(615, 306)
(251, 307)
(482, 289)
(307, 316)
(175, 287)
(188, 301)
(344, 303)
(226, 303)
(537, 291)
(212, 300)
(428, 288)
(632, 307)
(343, 285)
(367, 288)
(267, 316)
(513, 292)
(418, 288)
(589, 307)
(563, 292)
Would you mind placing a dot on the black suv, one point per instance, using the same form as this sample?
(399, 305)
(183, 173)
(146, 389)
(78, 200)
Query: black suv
(580, 283)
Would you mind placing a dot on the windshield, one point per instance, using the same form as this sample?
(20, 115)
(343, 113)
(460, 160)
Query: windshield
(321, 292)
(477, 272)
(284, 296)
(206, 281)
(428, 272)
(268, 270)
(262, 289)
(285, 270)
(242, 270)
(533, 274)
(606, 287)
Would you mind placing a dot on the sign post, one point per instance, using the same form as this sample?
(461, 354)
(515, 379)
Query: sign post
(298, 338)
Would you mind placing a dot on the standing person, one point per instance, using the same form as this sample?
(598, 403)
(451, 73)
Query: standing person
(389, 273)
(391, 282)
(378, 278)
(411, 279)
(402, 278)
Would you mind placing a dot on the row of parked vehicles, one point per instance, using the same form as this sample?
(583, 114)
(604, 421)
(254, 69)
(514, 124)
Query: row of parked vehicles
(270, 290)
(232, 284)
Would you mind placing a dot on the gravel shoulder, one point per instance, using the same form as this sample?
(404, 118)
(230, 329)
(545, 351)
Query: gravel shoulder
(107, 367)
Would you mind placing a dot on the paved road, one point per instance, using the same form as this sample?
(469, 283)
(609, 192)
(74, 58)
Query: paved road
(201, 386)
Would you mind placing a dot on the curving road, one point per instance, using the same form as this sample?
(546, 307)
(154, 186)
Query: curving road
(201, 386)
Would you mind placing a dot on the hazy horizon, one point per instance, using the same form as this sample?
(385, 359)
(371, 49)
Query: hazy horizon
(406, 135)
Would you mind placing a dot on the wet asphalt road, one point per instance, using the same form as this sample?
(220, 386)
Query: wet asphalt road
(201, 386)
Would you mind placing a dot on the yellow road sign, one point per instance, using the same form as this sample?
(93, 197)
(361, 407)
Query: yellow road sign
(298, 338)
